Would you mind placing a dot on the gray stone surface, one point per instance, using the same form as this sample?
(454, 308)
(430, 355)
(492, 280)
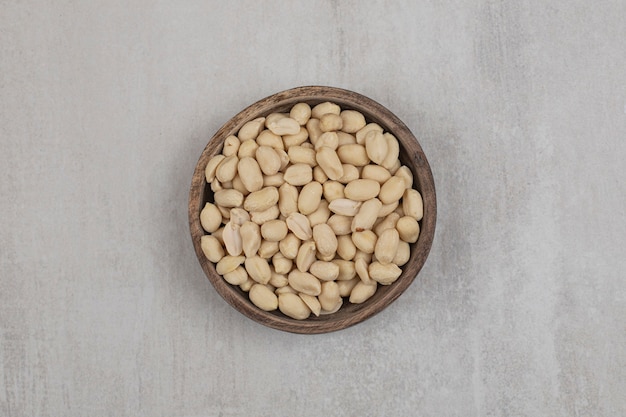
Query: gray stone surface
(105, 107)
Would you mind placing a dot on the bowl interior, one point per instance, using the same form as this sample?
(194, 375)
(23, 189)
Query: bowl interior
(411, 155)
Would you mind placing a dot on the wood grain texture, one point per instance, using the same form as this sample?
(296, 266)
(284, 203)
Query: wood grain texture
(411, 155)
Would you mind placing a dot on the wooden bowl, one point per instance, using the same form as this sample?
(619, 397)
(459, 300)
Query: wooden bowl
(411, 155)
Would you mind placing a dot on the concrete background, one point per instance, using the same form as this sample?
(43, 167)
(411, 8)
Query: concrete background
(520, 107)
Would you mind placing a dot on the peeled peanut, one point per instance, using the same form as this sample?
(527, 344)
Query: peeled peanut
(313, 127)
(376, 146)
(298, 174)
(263, 297)
(289, 246)
(344, 206)
(403, 253)
(275, 180)
(231, 145)
(350, 173)
(302, 155)
(237, 276)
(211, 167)
(319, 175)
(312, 302)
(325, 271)
(323, 108)
(281, 264)
(345, 139)
(274, 230)
(278, 280)
(228, 263)
(247, 149)
(301, 113)
(388, 222)
(346, 269)
(329, 161)
(292, 305)
(360, 135)
(387, 246)
(408, 229)
(320, 215)
(340, 224)
(329, 295)
(268, 249)
(304, 282)
(412, 204)
(345, 247)
(405, 173)
(391, 190)
(299, 224)
(260, 217)
(228, 198)
(375, 172)
(261, 200)
(393, 151)
(354, 154)
(297, 139)
(211, 248)
(210, 218)
(258, 269)
(345, 287)
(325, 239)
(288, 199)
(362, 292)
(384, 274)
(268, 161)
(250, 130)
(333, 190)
(362, 189)
(330, 122)
(310, 197)
(250, 173)
(361, 268)
(284, 126)
(367, 215)
(232, 239)
(269, 139)
(306, 256)
(365, 240)
(352, 121)
(227, 170)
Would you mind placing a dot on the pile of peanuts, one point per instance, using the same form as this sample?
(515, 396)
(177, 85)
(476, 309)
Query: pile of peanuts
(310, 207)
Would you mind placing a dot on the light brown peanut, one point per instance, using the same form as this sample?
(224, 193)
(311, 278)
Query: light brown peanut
(310, 197)
(329, 161)
(211, 248)
(298, 174)
(412, 204)
(325, 240)
(387, 246)
(263, 297)
(384, 274)
(259, 269)
(210, 218)
(304, 282)
(408, 229)
(250, 173)
(292, 305)
(367, 215)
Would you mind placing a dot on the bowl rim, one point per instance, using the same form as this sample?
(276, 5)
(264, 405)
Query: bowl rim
(410, 150)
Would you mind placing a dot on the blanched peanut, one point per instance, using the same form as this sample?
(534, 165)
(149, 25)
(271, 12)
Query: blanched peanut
(328, 139)
(362, 292)
(278, 280)
(297, 139)
(228, 264)
(387, 246)
(228, 198)
(393, 151)
(405, 173)
(313, 127)
(324, 108)
(330, 122)
(231, 145)
(340, 224)
(263, 297)
(232, 239)
(376, 173)
(325, 240)
(362, 190)
(350, 173)
(345, 139)
(227, 170)
(345, 247)
(320, 215)
(353, 154)
(361, 268)
(344, 206)
(319, 175)
(325, 271)
(268, 249)
(388, 222)
(258, 269)
(275, 180)
(211, 248)
(333, 190)
(301, 155)
(237, 276)
(346, 269)
(247, 284)
(352, 121)
(238, 185)
(311, 302)
(210, 218)
(329, 161)
(408, 229)
(391, 190)
(298, 174)
(211, 167)
(402, 254)
(386, 209)
(288, 199)
(250, 173)
(367, 215)
(247, 149)
(333, 309)
(284, 158)
(362, 255)
(304, 282)
(274, 230)
(299, 224)
(384, 274)
(412, 204)
(251, 129)
(269, 139)
(289, 246)
(281, 264)
(345, 287)
(301, 113)
(216, 185)
(260, 217)
(376, 146)
(285, 290)
(284, 126)
(268, 161)
(310, 197)
(306, 256)
(360, 135)
(292, 305)
(329, 295)
(365, 240)
(261, 200)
